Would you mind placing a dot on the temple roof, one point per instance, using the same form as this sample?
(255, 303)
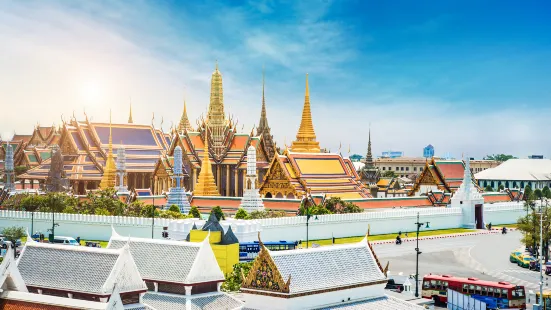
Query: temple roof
(446, 175)
(212, 224)
(198, 302)
(171, 261)
(378, 303)
(78, 269)
(228, 238)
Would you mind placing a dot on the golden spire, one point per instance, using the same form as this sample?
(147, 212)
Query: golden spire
(263, 123)
(306, 137)
(216, 114)
(109, 171)
(184, 121)
(205, 183)
(130, 121)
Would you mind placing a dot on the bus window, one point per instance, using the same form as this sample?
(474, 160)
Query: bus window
(491, 291)
(484, 291)
(471, 289)
(465, 288)
(444, 285)
(520, 292)
(547, 302)
(504, 293)
(438, 285)
(433, 284)
(477, 290)
(426, 284)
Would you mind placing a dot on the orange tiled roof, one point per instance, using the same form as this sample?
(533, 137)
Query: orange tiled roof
(496, 197)
(23, 305)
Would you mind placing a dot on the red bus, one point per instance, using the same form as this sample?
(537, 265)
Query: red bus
(496, 295)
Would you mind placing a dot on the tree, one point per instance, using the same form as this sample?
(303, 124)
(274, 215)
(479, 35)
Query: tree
(388, 174)
(339, 206)
(174, 208)
(488, 189)
(235, 278)
(169, 214)
(546, 192)
(266, 214)
(538, 193)
(529, 225)
(528, 194)
(218, 213)
(241, 214)
(13, 234)
(194, 212)
(31, 202)
(356, 157)
(501, 187)
(499, 157)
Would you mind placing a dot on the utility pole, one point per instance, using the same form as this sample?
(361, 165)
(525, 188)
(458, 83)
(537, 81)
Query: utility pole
(542, 260)
(418, 224)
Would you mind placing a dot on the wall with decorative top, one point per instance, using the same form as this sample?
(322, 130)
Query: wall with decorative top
(98, 227)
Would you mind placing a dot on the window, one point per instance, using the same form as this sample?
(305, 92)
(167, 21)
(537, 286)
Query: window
(465, 288)
(402, 168)
(407, 168)
(397, 168)
(478, 290)
(426, 284)
(504, 293)
(384, 168)
(491, 291)
(484, 291)
(471, 289)
(433, 284)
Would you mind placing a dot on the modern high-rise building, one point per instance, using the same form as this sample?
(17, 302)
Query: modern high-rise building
(428, 151)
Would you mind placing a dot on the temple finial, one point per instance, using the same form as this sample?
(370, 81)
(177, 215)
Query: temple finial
(108, 178)
(205, 182)
(130, 121)
(184, 121)
(306, 137)
(263, 123)
(369, 156)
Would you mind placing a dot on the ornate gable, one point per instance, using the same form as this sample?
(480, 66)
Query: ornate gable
(264, 275)
(277, 180)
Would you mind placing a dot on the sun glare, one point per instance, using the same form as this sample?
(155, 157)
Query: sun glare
(91, 91)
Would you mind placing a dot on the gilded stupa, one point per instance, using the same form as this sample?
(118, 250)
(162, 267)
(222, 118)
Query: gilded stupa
(306, 137)
(130, 121)
(205, 184)
(184, 121)
(109, 171)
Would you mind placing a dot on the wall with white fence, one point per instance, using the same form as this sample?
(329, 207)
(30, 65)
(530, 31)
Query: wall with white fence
(98, 227)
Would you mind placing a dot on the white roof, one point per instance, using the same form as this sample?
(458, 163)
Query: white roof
(379, 303)
(214, 301)
(170, 260)
(519, 170)
(79, 269)
(53, 300)
(322, 268)
(358, 165)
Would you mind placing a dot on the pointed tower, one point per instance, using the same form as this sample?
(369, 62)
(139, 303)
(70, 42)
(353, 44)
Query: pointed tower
(263, 128)
(177, 194)
(109, 171)
(216, 118)
(251, 200)
(130, 121)
(9, 169)
(469, 200)
(205, 183)
(306, 137)
(121, 170)
(184, 121)
(369, 156)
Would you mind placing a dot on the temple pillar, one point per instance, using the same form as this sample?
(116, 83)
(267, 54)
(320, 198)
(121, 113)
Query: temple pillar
(227, 180)
(243, 180)
(143, 180)
(155, 187)
(75, 187)
(85, 186)
(236, 182)
(218, 178)
(22, 183)
(32, 184)
(192, 180)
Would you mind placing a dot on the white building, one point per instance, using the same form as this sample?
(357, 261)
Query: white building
(517, 173)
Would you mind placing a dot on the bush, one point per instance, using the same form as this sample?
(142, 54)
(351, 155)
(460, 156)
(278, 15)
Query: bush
(241, 214)
(266, 214)
(234, 279)
(218, 213)
(194, 212)
(488, 189)
(171, 215)
(174, 208)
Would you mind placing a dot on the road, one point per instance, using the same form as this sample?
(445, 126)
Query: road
(482, 256)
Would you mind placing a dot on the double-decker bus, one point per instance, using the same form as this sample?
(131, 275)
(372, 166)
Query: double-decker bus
(496, 295)
(249, 250)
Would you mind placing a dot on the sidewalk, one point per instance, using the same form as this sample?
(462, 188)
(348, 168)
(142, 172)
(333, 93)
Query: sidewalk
(410, 239)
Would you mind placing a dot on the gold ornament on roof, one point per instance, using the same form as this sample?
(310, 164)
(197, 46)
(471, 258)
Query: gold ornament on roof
(109, 171)
(205, 183)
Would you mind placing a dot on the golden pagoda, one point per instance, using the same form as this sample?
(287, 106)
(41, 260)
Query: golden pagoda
(306, 137)
(184, 121)
(109, 171)
(130, 121)
(205, 184)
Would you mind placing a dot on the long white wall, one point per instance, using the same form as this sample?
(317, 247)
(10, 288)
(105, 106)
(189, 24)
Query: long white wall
(97, 227)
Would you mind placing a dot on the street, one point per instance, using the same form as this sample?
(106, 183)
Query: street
(483, 256)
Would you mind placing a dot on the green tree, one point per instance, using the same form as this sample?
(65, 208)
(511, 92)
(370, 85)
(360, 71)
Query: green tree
(31, 202)
(538, 193)
(101, 211)
(528, 194)
(388, 174)
(254, 215)
(529, 225)
(135, 209)
(499, 157)
(194, 212)
(501, 187)
(546, 192)
(218, 213)
(241, 214)
(488, 189)
(174, 208)
(339, 206)
(104, 199)
(13, 234)
(147, 211)
(235, 278)
(169, 214)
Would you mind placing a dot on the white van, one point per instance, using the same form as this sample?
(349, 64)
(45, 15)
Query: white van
(65, 240)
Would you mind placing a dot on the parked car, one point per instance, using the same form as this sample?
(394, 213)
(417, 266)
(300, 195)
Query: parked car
(66, 240)
(396, 283)
(535, 265)
(525, 259)
(514, 257)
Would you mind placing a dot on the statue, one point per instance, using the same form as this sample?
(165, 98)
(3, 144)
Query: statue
(57, 180)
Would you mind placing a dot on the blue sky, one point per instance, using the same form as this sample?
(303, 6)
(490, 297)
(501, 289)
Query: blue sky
(466, 76)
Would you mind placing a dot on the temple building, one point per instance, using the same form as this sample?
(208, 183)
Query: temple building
(347, 276)
(87, 147)
(369, 174)
(304, 169)
(226, 150)
(32, 150)
(440, 175)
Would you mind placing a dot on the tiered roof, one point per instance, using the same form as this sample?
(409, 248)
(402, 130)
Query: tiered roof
(85, 149)
(446, 175)
(322, 173)
(204, 301)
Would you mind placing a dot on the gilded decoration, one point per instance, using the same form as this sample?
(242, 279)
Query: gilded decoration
(277, 181)
(264, 274)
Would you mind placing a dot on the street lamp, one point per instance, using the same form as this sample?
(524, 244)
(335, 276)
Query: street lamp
(308, 216)
(419, 224)
(541, 258)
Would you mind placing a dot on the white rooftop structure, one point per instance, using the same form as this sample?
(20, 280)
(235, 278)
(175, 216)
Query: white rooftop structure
(517, 173)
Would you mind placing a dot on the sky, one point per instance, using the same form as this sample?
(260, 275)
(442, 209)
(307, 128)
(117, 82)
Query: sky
(469, 77)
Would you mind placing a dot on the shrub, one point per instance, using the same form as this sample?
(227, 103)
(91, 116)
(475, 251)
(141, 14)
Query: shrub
(241, 214)
(218, 213)
(174, 208)
(194, 212)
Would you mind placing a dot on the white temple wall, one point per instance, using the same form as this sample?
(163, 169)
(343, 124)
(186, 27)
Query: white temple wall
(97, 227)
